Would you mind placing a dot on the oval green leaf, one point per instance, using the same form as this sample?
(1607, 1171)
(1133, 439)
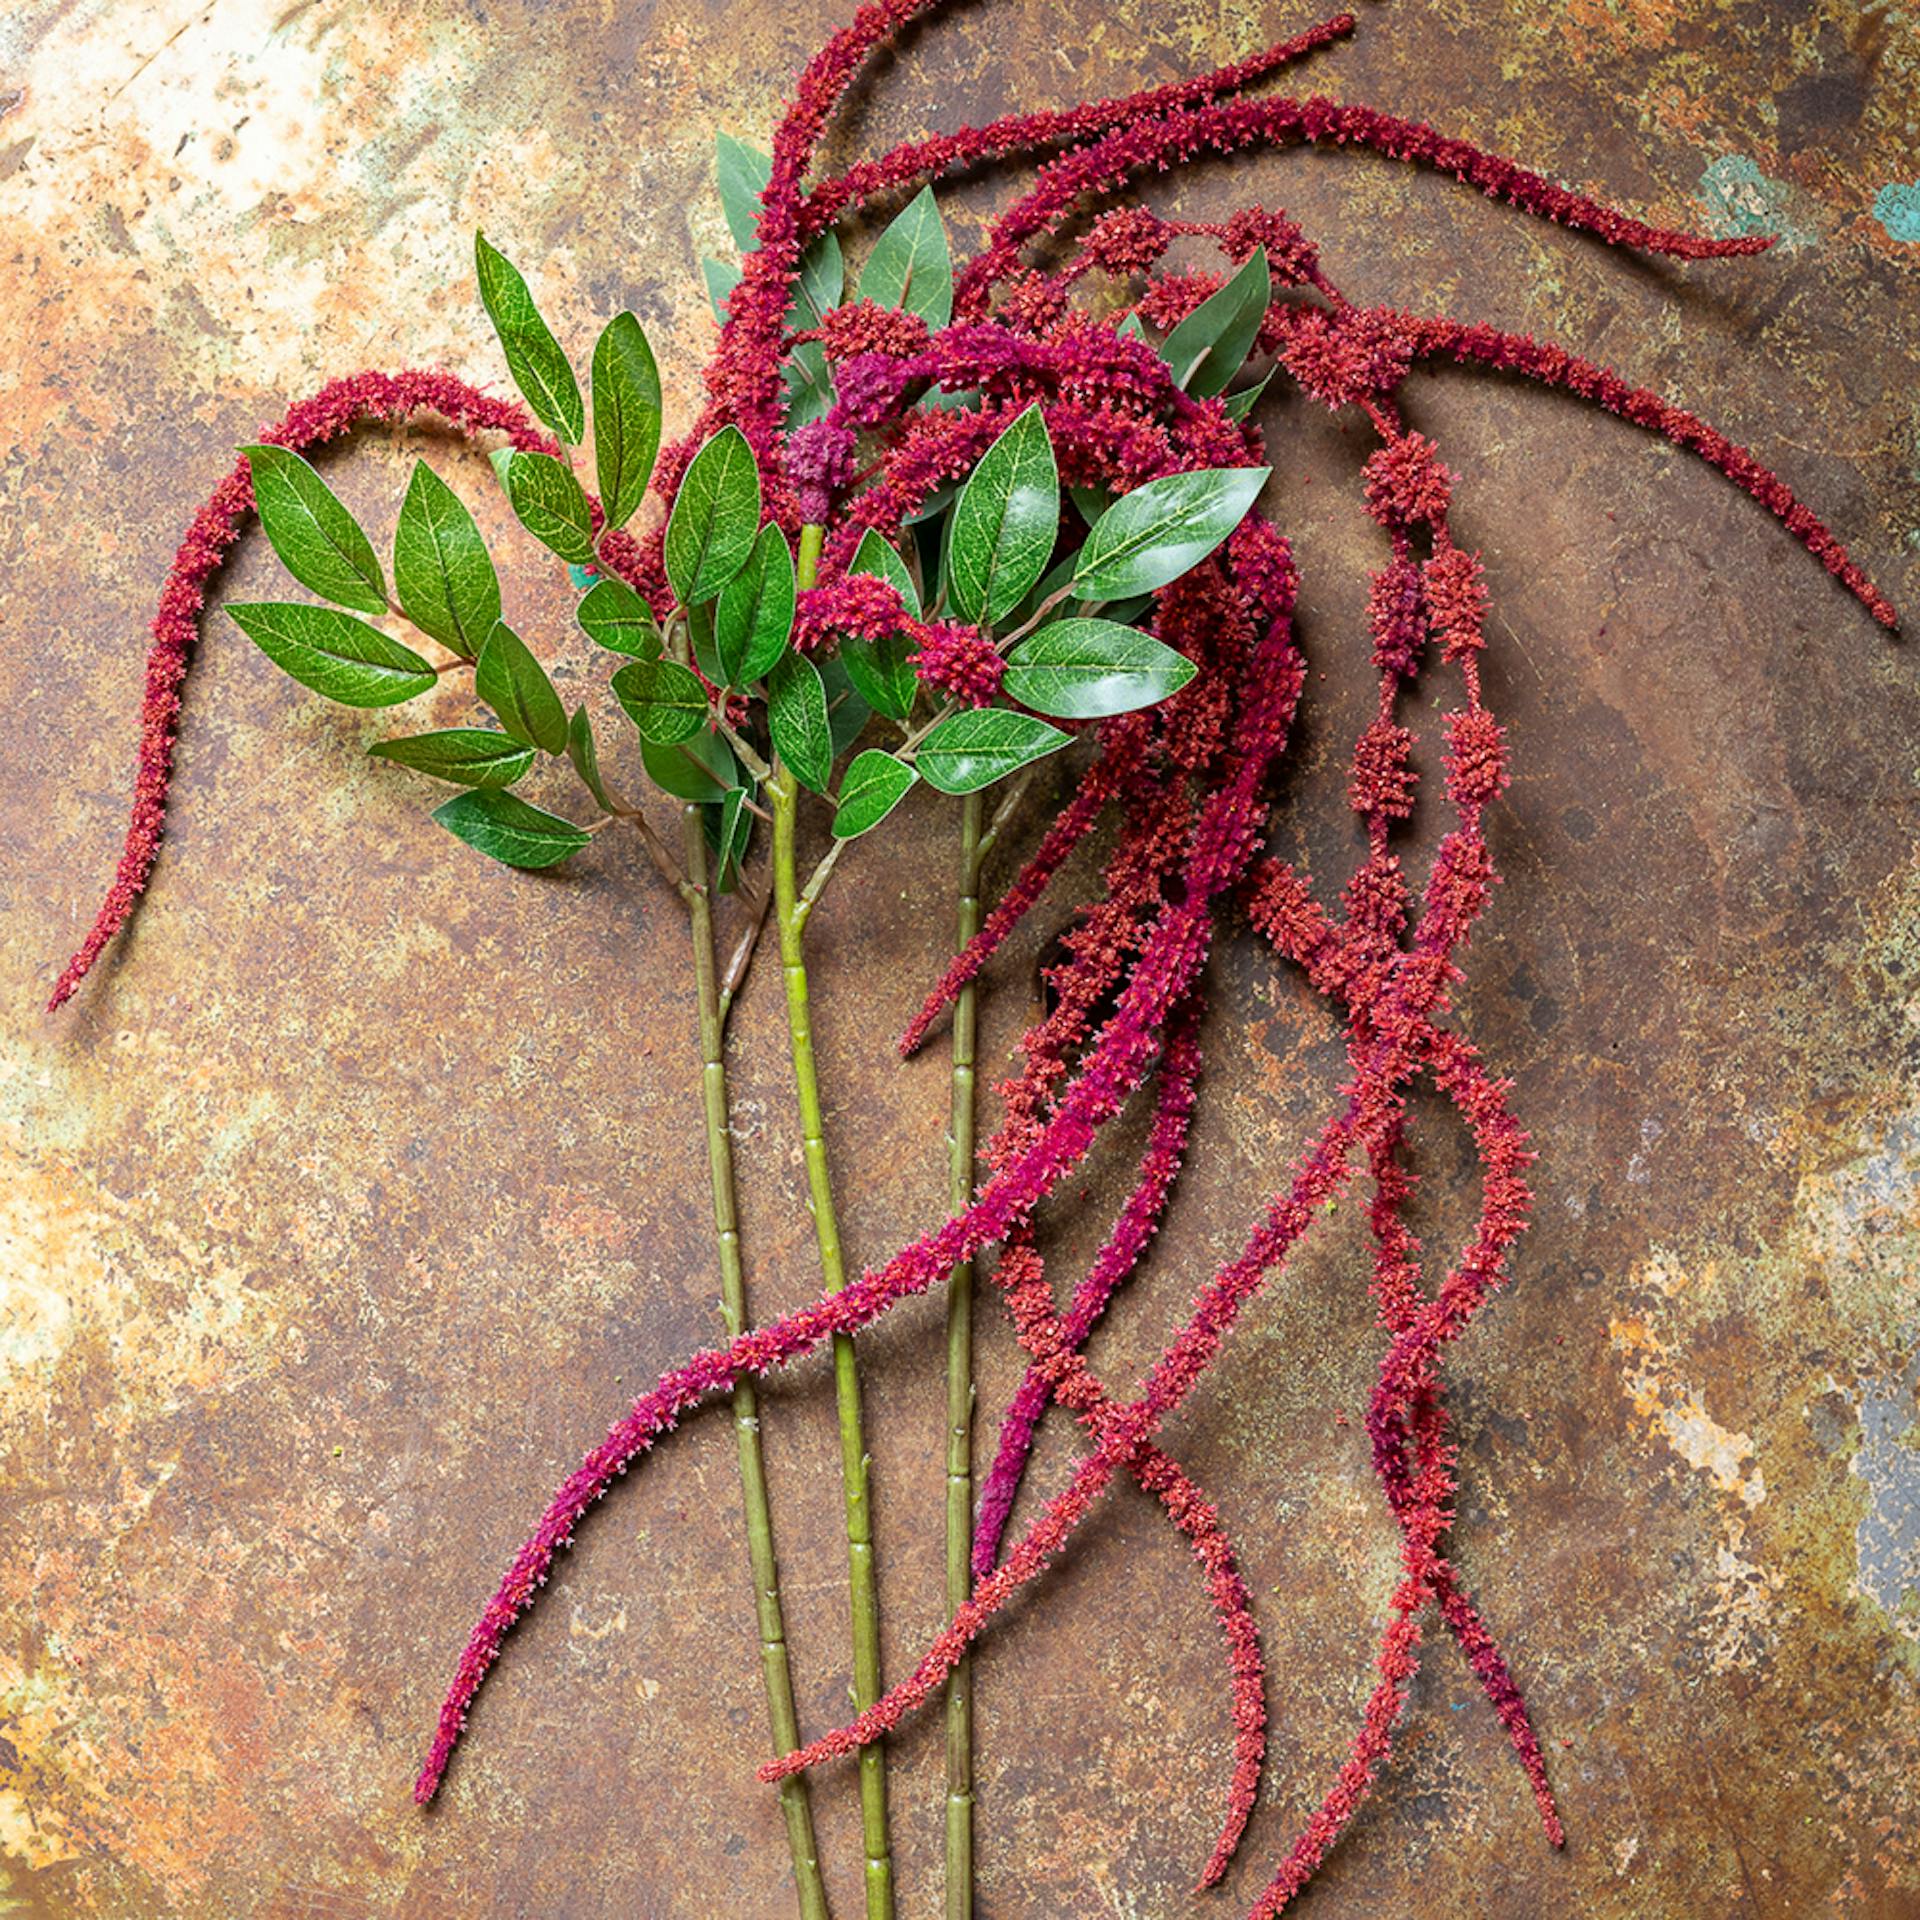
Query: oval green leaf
(336, 654)
(626, 417)
(663, 699)
(1004, 522)
(1205, 350)
(319, 542)
(515, 685)
(874, 785)
(911, 265)
(742, 172)
(1158, 532)
(585, 756)
(701, 768)
(442, 571)
(548, 501)
(797, 715)
(716, 514)
(468, 756)
(539, 368)
(505, 828)
(968, 751)
(615, 617)
(755, 615)
(876, 555)
(1088, 669)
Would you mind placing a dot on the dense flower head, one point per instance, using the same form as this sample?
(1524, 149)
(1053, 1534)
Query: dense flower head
(820, 460)
(1476, 757)
(1170, 297)
(1406, 482)
(859, 606)
(869, 386)
(1291, 256)
(867, 327)
(960, 661)
(1456, 585)
(1343, 357)
(1126, 241)
(1031, 302)
(1397, 616)
(1383, 777)
(1262, 563)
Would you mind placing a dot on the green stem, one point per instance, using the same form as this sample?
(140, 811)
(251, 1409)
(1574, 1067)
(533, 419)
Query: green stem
(960, 1169)
(790, 912)
(776, 1668)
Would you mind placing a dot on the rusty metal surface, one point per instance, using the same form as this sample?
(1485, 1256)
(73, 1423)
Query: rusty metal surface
(360, 1187)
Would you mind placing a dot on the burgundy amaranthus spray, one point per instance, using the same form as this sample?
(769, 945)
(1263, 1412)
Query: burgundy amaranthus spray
(991, 517)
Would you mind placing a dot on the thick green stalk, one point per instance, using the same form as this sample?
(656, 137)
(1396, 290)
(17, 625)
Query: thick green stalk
(790, 912)
(776, 1669)
(960, 1156)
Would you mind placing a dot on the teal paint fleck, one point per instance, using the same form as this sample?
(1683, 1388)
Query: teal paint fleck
(1897, 208)
(1742, 200)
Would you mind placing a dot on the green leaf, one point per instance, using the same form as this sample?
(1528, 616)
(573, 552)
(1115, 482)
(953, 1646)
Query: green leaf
(505, 828)
(336, 654)
(515, 685)
(735, 827)
(743, 173)
(468, 756)
(721, 276)
(319, 542)
(847, 708)
(442, 571)
(626, 417)
(1092, 502)
(1004, 522)
(968, 751)
(1158, 532)
(547, 500)
(701, 768)
(586, 757)
(755, 614)
(1205, 350)
(615, 617)
(1087, 669)
(715, 516)
(797, 714)
(876, 555)
(810, 389)
(873, 786)
(663, 699)
(534, 358)
(823, 278)
(1239, 405)
(911, 265)
(1132, 328)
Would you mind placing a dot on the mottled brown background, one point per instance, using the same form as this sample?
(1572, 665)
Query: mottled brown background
(348, 1202)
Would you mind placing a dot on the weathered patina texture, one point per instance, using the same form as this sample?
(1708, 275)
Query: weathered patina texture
(350, 1198)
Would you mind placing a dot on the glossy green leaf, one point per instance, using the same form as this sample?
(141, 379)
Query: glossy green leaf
(1004, 522)
(742, 172)
(732, 831)
(715, 516)
(442, 571)
(337, 654)
(1205, 350)
(548, 501)
(1239, 405)
(319, 542)
(876, 555)
(754, 616)
(823, 278)
(539, 368)
(797, 714)
(911, 265)
(1158, 532)
(1087, 669)
(626, 417)
(700, 768)
(810, 391)
(514, 684)
(721, 276)
(468, 756)
(505, 828)
(968, 751)
(615, 617)
(873, 786)
(663, 699)
(585, 755)
(847, 708)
